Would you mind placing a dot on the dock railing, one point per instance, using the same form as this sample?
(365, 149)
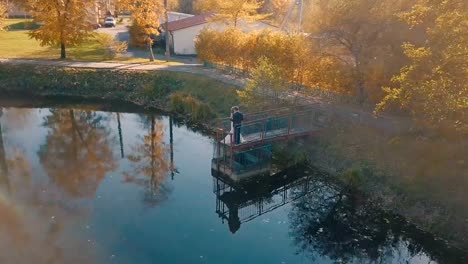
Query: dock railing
(267, 126)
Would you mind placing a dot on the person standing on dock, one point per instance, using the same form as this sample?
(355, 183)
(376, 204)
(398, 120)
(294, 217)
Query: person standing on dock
(237, 118)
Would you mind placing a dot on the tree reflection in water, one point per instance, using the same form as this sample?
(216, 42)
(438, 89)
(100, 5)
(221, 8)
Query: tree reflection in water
(36, 221)
(150, 159)
(77, 154)
(4, 180)
(17, 119)
(338, 224)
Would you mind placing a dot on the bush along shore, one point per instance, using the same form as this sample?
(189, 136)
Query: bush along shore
(197, 98)
(373, 167)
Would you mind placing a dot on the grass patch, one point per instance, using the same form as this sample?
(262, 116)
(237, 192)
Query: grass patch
(17, 44)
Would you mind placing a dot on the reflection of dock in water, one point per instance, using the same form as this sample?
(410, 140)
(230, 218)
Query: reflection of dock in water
(243, 164)
(241, 201)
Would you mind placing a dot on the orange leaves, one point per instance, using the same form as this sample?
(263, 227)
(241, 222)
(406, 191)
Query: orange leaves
(232, 11)
(294, 55)
(433, 86)
(146, 14)
(65, 23)
(3, 11)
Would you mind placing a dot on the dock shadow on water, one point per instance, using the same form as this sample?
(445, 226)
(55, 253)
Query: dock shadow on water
(86, 186)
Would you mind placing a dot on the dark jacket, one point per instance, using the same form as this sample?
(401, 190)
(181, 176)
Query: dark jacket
(237, 118)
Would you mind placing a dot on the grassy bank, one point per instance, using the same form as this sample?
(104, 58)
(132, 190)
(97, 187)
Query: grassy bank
(198, 98)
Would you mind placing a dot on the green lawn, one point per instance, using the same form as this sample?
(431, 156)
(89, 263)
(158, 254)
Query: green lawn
(15, 43)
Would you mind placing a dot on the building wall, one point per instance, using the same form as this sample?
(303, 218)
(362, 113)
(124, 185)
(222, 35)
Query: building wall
(183, 40)
(16, 12)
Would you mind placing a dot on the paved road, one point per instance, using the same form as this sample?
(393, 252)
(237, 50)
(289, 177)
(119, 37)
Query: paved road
(119, 32)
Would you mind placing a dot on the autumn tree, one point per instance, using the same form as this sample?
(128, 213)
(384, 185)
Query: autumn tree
(297, 58)
(77, 154)
(145, 15)
(3, 12)
(365, 35)
(232, 11)
(66, 23)
(434, 85)
(265, 86)
(278, 8)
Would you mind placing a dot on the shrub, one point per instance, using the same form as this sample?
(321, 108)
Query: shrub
(185, 104)
(297, 58)
(112, 48)
(203, 112)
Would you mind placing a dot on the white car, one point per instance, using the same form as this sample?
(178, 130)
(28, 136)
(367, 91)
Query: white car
(110, 22)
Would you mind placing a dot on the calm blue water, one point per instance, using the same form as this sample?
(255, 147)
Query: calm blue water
(68, 195)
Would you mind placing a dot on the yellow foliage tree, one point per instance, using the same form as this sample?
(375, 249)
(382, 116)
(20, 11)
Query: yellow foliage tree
(434, 85)
(3, 11)
(295, 56)
(65, 23)
(145, 15)
(265, 87)
(279, 8)
(365, 35)
(232, 11)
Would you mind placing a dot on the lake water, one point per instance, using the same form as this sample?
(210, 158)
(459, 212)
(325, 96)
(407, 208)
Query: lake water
(83, 186)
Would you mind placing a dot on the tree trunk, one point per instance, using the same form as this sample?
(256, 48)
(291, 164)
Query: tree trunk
(166, 26)
(119, 128)
(4, 180)
(63, 53)
(75, 143)
(171, 142)
(151, 58)
(360, 93)
(153, 165)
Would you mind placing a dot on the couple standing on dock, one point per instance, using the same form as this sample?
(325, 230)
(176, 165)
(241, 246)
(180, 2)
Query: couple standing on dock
(236, 122)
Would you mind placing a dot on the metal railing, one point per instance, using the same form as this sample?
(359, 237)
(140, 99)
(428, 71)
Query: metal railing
(281, 124)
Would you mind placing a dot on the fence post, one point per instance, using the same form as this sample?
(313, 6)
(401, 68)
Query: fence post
(232, 153)
(263, 129)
